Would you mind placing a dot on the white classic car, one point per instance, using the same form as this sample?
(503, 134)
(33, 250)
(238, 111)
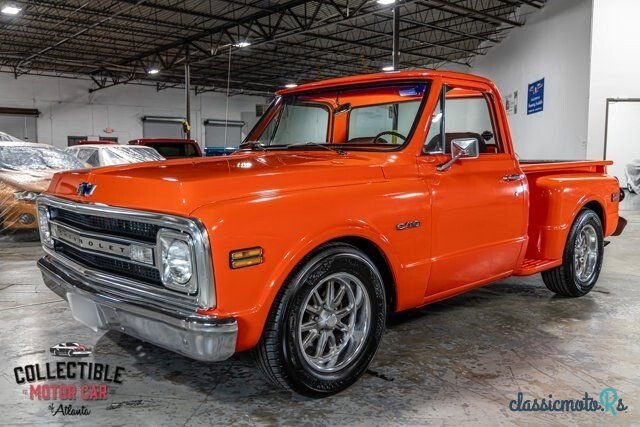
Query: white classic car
(97, 155)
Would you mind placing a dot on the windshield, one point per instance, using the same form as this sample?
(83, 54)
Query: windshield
(122, 154)
(178, 149)
(369, 118)
(36, 159)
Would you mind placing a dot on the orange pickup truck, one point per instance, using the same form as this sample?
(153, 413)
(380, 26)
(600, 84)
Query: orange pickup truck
(351, 199)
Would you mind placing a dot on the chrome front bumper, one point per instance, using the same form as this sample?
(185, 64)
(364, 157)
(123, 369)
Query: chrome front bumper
(205, 338)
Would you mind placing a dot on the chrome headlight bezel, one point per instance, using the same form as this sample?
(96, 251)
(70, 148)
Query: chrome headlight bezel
(167, 239)
(44, 226)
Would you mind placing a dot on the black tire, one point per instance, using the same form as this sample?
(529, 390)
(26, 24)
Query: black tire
(564, 280)
(279, 354)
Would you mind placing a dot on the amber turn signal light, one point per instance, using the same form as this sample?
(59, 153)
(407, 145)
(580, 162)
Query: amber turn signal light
(245, 257)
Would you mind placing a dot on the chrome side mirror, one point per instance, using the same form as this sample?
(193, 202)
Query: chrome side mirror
(467, 148)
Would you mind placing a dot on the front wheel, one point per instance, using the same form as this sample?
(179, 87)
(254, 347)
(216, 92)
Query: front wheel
(582, 259)
(326, 323)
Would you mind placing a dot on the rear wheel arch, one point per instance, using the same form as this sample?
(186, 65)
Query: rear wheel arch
(598, 208)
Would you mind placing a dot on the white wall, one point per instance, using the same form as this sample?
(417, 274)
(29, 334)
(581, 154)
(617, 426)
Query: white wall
(67, 107)
(554, 44)
(615, 65)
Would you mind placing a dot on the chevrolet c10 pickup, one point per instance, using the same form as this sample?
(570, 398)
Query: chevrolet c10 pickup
(350, 199)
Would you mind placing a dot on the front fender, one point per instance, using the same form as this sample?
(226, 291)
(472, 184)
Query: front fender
(290, 226)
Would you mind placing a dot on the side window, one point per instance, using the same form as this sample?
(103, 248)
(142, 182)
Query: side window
(467, 114)
(82, 154)
(190, 150)
(94, 158)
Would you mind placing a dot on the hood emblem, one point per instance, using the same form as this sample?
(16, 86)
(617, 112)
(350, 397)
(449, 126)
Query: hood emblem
(86, 189)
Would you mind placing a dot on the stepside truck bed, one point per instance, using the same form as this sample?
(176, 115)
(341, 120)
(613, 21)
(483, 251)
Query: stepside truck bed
(558, 191)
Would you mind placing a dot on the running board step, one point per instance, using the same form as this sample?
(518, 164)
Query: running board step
(532, 266)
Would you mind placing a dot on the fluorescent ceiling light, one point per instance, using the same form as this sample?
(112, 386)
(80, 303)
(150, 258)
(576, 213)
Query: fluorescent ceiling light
(290, 85)
(242, 44)
(11, 10)
(388, 68)
(386, 1)
(153, 71)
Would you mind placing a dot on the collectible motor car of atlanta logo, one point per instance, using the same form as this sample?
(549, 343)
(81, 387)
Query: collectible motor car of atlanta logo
(68, 384)
(70, 349)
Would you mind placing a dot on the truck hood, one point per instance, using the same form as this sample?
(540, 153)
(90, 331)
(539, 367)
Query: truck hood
(181, 186)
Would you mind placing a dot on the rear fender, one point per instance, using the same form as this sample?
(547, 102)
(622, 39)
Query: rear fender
(556, 200)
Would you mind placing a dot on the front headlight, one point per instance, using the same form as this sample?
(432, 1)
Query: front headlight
(43, 226)
(176, 254)
(25, 196)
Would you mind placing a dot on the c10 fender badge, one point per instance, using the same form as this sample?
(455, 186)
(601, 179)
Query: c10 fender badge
(408, 224)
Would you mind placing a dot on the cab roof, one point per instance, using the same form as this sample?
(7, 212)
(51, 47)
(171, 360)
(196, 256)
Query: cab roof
(389, 76)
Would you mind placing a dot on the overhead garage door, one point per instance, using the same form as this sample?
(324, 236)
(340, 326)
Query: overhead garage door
(20, 123)
(162, 127)
(215, 133)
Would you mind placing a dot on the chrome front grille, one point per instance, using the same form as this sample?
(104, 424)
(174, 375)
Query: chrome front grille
(113, 226)
(146, 274)
(96, 241)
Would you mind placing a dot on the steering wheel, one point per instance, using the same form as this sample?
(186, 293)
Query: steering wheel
(388, 132)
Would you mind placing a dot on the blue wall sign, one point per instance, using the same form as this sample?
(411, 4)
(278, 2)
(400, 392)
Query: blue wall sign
(535, 97)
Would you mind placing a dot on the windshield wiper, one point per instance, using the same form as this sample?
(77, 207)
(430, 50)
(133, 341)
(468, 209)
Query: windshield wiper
(317, 144)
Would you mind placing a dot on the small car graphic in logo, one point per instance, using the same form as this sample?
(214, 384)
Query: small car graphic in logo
(86, 189)
(70, 349)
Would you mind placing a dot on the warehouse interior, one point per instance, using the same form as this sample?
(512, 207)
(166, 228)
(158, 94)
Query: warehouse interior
(91, 72)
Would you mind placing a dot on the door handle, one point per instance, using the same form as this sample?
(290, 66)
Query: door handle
(514, 177)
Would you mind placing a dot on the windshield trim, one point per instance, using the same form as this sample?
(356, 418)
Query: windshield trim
(428, 83)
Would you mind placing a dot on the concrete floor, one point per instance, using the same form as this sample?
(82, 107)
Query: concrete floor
(458, 362)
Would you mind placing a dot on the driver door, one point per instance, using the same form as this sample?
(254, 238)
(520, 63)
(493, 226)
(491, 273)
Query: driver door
(479, 205)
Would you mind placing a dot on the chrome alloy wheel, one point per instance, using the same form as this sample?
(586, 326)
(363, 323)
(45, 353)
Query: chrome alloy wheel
(585, 253)
(335, 322)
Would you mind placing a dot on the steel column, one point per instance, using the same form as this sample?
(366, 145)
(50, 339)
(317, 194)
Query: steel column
(187, 92)
(396, 37)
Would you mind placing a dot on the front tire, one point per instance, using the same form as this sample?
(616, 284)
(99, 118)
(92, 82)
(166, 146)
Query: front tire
(582, 259)
(326, 323)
